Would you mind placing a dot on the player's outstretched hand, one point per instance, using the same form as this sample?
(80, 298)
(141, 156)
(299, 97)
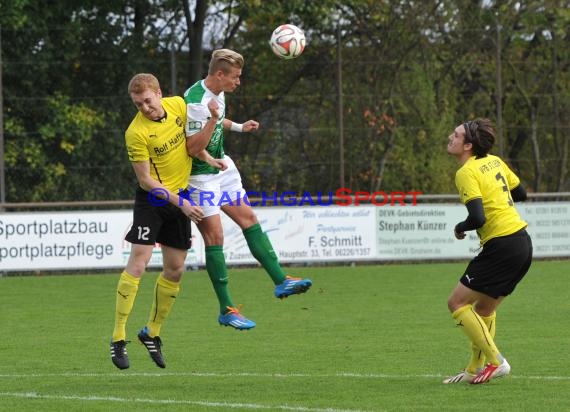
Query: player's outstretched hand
(250, 126)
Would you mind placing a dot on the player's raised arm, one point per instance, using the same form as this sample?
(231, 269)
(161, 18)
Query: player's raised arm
(246, 127)
(196, 141)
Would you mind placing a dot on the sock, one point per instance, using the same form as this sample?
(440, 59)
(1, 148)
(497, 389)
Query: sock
(165, 292)
(477, 360)
(218, 272)
(262, 250)
(126, 292)
(477, 332)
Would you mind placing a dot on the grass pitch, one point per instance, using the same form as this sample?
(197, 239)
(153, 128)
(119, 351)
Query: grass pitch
(364, 338)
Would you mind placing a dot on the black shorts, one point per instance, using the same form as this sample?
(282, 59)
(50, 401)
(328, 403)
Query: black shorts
(500, 266)
(152, 224)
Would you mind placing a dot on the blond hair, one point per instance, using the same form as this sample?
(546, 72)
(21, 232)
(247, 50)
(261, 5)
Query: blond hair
(225, 60)
(142, 82)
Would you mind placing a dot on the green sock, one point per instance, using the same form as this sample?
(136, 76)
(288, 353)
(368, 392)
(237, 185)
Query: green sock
(262, 250)
(218, 272)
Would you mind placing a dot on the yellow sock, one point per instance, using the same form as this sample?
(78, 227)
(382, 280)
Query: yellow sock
(477, 360)
(126, 292)
(165, 292)
(477, 332)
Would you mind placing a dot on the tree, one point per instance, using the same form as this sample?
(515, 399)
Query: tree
(410, 72)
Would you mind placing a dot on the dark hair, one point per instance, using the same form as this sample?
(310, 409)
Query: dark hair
(481, 134)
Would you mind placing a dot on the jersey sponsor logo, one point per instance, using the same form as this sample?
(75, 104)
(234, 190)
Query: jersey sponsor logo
(179, 122)
(194, 125)
(170, 144)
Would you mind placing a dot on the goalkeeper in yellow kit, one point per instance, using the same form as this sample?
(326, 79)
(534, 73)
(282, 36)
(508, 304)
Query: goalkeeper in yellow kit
(488, 189)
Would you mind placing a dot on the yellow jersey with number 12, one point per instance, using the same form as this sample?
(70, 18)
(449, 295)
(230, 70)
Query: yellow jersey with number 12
(491, 180)
(163, 144)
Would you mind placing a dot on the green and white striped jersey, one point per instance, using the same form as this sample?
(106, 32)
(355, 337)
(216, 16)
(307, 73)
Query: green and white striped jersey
(197, 98)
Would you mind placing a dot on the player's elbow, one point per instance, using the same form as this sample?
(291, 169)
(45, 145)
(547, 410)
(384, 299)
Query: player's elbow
(518, 194)
(193, 152)
(192, 149)
(146, 184)
(479, 221)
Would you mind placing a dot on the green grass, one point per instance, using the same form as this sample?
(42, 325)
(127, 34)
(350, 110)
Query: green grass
(371, 338)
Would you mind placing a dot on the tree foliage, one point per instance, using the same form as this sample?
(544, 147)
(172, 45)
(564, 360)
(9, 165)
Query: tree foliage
(396, 76)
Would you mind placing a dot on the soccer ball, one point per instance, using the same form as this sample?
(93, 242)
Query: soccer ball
(287, 41)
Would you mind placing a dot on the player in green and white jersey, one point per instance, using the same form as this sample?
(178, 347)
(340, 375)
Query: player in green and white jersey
(215, 177)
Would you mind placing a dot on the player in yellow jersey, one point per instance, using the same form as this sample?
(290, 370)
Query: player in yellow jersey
(488, 189)
(156, 145)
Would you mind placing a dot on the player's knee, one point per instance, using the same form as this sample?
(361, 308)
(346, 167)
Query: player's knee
(248, 220)
(136, 267)
(173, 274)
(213, 235)
(453, 304)
(213, 239)
(173, 269)
(218, 238)
(484, 310)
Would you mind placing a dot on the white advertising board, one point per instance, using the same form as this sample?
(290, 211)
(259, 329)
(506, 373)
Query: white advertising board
(549, 227)
(31, 241)
(309, 234)
(69, 240)
(422, 232)
(90, 240)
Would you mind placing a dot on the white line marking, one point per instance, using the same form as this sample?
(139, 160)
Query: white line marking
(34, 395)
(256, 375)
